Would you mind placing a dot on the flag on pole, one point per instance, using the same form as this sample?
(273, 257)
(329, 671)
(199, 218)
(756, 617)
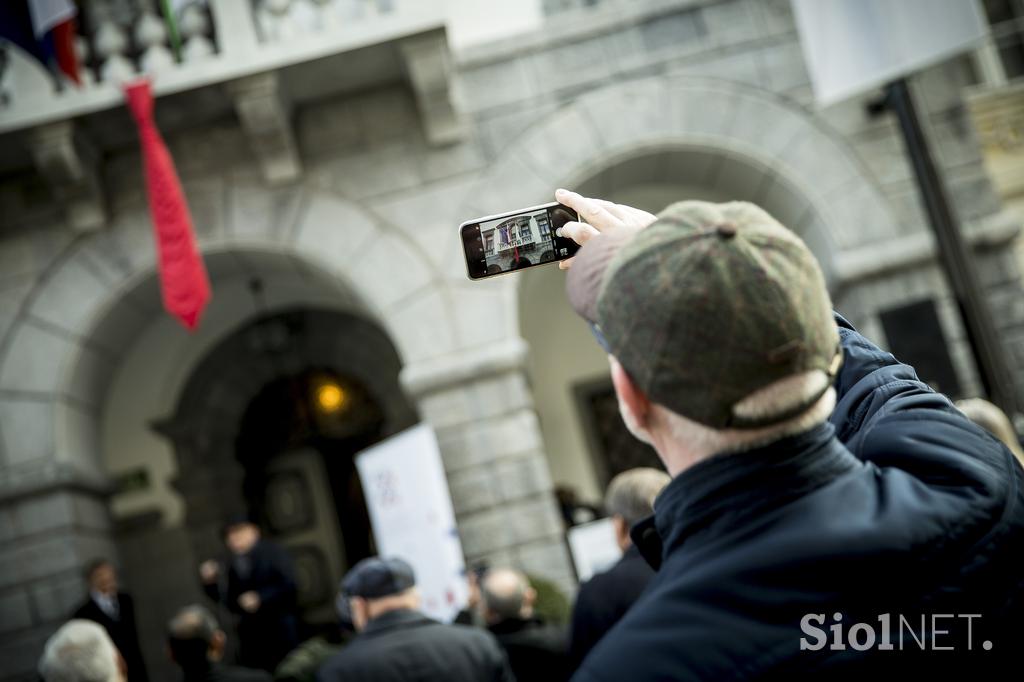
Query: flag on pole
(183, 280)
(45, 29)
(53, 22)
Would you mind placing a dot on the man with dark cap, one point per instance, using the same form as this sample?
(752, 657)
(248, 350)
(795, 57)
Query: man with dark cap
(196, 644)
(830, 516)
(397, 642)
(258, 585)
(115, 611)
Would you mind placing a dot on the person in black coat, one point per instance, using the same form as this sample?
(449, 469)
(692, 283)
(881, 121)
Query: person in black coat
(830, 516)
(397, 643)
(196, 644)
(536, 650)
(604, 599)
(115, 611)
(257, 583)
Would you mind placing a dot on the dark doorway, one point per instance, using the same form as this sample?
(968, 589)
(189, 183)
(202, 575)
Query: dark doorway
(297, 443)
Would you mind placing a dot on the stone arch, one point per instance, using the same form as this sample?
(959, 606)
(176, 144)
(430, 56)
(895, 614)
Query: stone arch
(759, 132)
(101, 291)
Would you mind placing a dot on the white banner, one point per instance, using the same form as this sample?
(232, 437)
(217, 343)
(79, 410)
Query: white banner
(853, 46)
(594, 547)
(411, 514)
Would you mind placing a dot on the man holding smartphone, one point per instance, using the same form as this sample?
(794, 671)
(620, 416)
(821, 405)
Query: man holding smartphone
(829, 513)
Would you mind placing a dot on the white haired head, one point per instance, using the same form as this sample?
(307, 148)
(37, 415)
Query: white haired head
(80, 651)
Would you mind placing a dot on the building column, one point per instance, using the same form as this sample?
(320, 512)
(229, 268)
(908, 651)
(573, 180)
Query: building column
(53, 521)
(482, 410)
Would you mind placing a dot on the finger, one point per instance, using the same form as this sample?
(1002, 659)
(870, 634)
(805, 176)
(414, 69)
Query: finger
(588, 209)
(580, 233)
(566, 264)
(628, 215)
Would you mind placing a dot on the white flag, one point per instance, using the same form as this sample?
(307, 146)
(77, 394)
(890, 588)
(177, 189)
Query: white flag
(46, 14)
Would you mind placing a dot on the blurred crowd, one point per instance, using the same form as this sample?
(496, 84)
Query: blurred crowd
(514, 626)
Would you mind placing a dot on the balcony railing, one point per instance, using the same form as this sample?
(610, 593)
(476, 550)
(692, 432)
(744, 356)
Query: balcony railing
(217, 41)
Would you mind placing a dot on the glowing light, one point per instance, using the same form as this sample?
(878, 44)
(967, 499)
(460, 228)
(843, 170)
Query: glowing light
(330, 397)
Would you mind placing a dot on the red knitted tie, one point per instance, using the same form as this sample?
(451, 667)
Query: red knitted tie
(183, 280)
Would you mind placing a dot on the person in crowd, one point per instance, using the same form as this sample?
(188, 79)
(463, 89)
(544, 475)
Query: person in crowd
(196, 644)
(81, 651)
(604, 599)
(535, 650)
(397, 642)
(115, 611)
(818, 484)
(994, 420)
(257, 584)
(303, 662)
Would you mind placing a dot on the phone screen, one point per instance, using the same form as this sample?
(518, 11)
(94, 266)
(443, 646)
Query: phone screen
(513, 241)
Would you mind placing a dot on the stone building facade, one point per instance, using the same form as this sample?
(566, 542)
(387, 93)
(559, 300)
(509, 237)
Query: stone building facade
(346, 210)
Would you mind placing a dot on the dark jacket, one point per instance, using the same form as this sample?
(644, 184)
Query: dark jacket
(408, 646)
(225, 673)
(604, 599)
(898, 506)
(536, 650)
(267, 635)
(122, 632)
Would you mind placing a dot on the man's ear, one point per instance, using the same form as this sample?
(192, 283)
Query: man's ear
(632, 397)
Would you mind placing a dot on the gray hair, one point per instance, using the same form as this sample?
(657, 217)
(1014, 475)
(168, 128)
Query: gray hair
(80, 651)
(193, 622)
(631, 494)
(503, 591)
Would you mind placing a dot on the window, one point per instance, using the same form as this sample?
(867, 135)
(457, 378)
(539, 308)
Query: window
(1007, 20)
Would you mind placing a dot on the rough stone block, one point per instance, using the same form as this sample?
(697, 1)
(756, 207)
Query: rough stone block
(331, 230)
(861, 207)
(478, 443)
(738, 67)
(12, 294)
(387, 114)
(26, 427)
(501, 127)
(471, 490)
(573, 64)
(56, 598)
(91, 375)
(382, 170)
(484, 313)
(422, 327)
(565, 142)
(685, 31)
(534, 518)
(389, 269)
(784, 67)
(494, 85)
(490, 397)
(522, 477)
(207, 206)
(46, 512)
(20, 652)
(773, 17)
(34, 359)
(729, 22)
(15, 612)
(262, 213)
(328, 127)
(484, 532)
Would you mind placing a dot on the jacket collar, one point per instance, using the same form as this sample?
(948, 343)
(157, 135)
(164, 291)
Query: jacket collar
(741, 484)
(399, 618)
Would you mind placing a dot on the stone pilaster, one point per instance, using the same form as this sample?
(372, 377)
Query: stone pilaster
(482, 409)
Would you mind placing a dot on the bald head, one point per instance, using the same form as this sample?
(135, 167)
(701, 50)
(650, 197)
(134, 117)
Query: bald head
(506, 593)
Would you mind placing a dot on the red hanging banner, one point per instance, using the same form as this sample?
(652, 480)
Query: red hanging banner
(183, 280)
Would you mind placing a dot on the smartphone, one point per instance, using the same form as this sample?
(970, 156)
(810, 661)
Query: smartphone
(497, 244)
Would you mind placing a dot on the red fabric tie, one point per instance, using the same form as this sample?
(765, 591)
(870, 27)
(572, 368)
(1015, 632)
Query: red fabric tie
(183, 280)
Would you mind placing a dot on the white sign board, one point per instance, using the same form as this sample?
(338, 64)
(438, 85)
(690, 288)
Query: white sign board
(411, 514)
(853, 46)
(593, 547)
